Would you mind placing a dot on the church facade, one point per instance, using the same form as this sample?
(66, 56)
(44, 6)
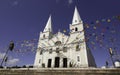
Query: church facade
(64, 51)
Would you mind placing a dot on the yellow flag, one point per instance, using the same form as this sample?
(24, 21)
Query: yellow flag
(64, 31)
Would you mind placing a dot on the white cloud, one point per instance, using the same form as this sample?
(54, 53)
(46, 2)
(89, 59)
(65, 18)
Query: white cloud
(15, 3)
(70, 1)
(13, 61)
(2, 55)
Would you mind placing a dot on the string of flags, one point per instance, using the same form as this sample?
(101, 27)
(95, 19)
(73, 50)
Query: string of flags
(26, 46)
(97, 23)
(97, 32)
(102, 30)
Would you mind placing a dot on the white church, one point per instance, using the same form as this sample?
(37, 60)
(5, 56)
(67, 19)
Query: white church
(64, 51)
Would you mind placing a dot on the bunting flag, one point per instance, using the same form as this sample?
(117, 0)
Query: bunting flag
(97, 21)
(118, 17)
(64, 31)
(110, 51)
(103, 20)
(26, 46)
(97, 33)
(108, 20)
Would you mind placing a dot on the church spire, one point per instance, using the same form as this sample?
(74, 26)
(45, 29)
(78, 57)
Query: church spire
(76, 17)
(48, 27)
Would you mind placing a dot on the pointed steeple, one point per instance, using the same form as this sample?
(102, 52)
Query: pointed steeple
(48, 27)
(76, 17)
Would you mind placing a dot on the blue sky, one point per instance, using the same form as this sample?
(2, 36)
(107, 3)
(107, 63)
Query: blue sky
(22, 20)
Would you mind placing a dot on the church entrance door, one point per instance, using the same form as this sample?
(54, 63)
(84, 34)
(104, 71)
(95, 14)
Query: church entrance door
(57, 59)
(64, 62)
(49, 62)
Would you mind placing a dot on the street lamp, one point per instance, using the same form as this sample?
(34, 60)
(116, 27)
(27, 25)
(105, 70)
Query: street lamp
(111, 55)
(11, 47)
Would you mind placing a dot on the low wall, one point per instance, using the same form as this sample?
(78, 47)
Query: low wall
(60, 71)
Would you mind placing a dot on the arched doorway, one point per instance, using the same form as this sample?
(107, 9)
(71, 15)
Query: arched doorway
(49, 63)
(64, 62)
(57, 61)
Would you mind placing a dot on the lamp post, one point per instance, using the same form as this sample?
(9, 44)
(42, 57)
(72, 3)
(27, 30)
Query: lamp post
(11, 47)
(111, 54)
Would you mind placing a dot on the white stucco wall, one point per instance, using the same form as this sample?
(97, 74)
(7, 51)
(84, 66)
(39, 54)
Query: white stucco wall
(75, 38)
(71, 54)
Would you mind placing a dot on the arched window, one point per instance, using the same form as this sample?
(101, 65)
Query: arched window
(76, 29)
(41, 52)
(77, 48)
(50, 51)
(64, 49)
(78, 58)
(57, 50)
(58, 43)
(44, 36)
(39, 60)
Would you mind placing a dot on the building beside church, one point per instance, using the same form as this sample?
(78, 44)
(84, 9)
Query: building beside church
(64, 51)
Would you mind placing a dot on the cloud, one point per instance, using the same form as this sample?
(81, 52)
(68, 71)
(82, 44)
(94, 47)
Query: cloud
(2, 55)
(13, 61)
(70, 1)
(15, 3)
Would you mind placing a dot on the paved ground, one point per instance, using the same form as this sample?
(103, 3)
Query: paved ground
(60, 71)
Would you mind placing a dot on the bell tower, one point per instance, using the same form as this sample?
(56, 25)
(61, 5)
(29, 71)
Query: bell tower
(77, 24)
(77, 36)
(44, 37)
(47, 32)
